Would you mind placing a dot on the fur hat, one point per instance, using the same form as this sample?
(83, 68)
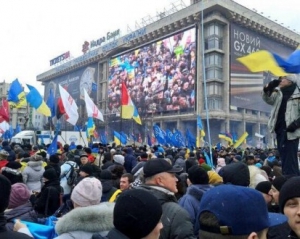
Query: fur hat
(136, 213)
(5, 188)
(118, 158)
(87, 192)
(19, 195)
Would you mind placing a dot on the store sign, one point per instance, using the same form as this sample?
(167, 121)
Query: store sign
(60, 58)
(109, 36)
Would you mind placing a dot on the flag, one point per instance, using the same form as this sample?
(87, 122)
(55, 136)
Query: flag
(91, 108)
(159, 135)
(208, 159)
(128, 109)
(191, 140)
(69, 106)
(4, 111)
(200, 126)
(219, 145)
(178, 139)
(60, 110)
(103, 138)
(226, 138)
(168, 137)
(18, 129)
(124, 137)
(52, 149)
(117, 138)
(51, 103)
(240, 140)
(133, 137)
(267, 61)
(90, 127)
(35, 99)
(16, 96)
(149, 140)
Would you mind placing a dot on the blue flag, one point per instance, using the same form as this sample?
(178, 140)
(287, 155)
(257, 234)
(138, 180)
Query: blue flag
(51, 103)
(124, 137)
(207, 159)
(199, 122)
(103, 138)
(149, 140)
(52, 149)
(159, 134)
(178, 139)
(169, 136)
(191, 139)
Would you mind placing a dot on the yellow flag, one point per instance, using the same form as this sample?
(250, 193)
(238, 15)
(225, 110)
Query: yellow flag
(240, 140)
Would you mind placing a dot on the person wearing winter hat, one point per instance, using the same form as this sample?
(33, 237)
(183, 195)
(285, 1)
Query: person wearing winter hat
(47, 201)
(137, 215)
(285, 119)
(265, 189)
(19, 195)
(54, 162)
(109, 192)
(12, 172)
(5, 189)
(89, 215)
(198, 185)
(289, 204)
(119, 159)
(223, 216)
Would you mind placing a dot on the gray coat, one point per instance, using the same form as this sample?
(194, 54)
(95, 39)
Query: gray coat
(292, 110)
(83, 222)
(33, 174)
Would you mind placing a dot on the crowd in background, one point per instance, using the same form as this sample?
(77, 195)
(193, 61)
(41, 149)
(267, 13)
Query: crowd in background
(110, 191)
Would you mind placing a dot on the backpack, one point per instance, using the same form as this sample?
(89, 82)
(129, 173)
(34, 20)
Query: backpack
(71, 178)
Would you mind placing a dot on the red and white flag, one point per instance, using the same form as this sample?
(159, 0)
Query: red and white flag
(91, 108)
(4, 111)
(69, 105)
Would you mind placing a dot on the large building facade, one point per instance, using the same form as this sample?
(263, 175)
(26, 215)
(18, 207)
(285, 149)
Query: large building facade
(177, 67)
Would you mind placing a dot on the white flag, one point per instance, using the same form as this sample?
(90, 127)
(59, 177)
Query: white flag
(4, 126)
(69, 105)
(91, 108)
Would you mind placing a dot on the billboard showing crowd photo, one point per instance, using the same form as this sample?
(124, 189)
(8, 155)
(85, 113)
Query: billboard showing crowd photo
(246, 86)
(159, 76)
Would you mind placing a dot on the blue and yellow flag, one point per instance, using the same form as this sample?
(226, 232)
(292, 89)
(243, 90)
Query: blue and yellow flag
(16, 96)
(90, 128)
(240, 140)
(36, 101)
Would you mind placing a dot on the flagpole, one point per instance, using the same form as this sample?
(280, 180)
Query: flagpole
(204, 81)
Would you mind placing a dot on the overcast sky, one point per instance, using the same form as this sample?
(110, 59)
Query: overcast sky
(35, 31)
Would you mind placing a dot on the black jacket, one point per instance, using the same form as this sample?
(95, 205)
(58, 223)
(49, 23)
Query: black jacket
(176, 220)
(113, 234)
(48, 200)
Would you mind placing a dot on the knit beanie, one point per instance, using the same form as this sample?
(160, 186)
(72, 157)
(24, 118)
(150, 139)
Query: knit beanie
(19, 195)
(87, 168)
(136, 213)
(118, 158)
(13, 165)
(289, 190)
(50, 174)
(5, 189)
(206, 167)
(198, 175)
(264, 187)
(87, 192)
(278, 182)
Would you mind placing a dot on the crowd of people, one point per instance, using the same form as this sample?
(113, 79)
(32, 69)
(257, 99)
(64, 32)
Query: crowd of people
(159, 77)
(111, 191)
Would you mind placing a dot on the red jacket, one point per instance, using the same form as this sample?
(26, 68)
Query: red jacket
(3, 163)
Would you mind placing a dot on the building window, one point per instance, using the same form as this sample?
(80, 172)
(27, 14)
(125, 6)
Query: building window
(214, 73)
(215, 103)
(215, 88)
(213, 59)
(213, 35)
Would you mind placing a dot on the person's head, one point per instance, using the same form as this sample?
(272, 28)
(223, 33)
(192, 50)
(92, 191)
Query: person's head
(54, 159)
(87, 192)
(19, 195)
(289, 203)
(159, 172)
(288, 80)
(86, 170)
(84, 158)
(3, 154)
(197, 175)
(265, 188)
(229, 211)
(125, 181)
(137, 215)
(277, 184)
(250, 160)
(5, 189)
(119, 159)
(49, 175)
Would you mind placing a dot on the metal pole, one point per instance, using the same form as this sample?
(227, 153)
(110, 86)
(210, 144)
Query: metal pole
(204, 81)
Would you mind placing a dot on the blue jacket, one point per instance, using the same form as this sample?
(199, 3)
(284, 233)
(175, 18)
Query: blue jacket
(191, 202)
(130, 160)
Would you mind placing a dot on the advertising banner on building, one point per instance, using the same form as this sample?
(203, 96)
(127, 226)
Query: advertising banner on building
(246, 87)
(159, 76)
(74, 82)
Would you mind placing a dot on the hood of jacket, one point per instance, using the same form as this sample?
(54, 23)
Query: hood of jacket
(95, 218)
(35, 165)
(162, 194)
(197, 190)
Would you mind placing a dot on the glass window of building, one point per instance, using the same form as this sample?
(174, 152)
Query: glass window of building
(213, 35)
(215, 88)
(214, 103)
